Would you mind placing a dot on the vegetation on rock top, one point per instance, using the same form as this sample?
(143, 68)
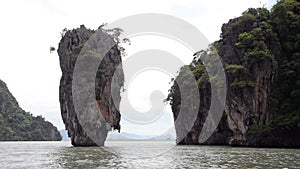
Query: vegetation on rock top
(260, 51)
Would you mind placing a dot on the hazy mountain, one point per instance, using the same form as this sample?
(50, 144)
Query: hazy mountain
(131, 136)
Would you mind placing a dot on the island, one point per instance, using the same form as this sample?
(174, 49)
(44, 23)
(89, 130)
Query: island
(18, 125)
(260, 52)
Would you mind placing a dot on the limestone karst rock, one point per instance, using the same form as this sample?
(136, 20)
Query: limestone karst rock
(260, 55)
(69, 48)
(18, 125)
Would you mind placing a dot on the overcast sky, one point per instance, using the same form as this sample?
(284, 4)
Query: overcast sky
(29, 28)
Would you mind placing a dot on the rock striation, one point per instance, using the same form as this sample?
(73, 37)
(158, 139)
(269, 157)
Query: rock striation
(69, 48)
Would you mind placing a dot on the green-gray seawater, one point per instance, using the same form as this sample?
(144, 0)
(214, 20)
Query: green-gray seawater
(126, 154)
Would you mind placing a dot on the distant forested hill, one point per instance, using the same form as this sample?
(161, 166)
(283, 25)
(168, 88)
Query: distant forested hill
(18, 125)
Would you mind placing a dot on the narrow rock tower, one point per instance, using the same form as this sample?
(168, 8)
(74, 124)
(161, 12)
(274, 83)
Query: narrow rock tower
(69, 49)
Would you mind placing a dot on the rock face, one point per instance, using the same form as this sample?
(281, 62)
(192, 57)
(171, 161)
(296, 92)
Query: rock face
(260, 106)
(68, 51)
(18, 125)
(220, 136)
(249, 76)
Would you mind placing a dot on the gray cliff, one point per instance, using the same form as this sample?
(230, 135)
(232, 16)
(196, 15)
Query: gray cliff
(69, 48)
